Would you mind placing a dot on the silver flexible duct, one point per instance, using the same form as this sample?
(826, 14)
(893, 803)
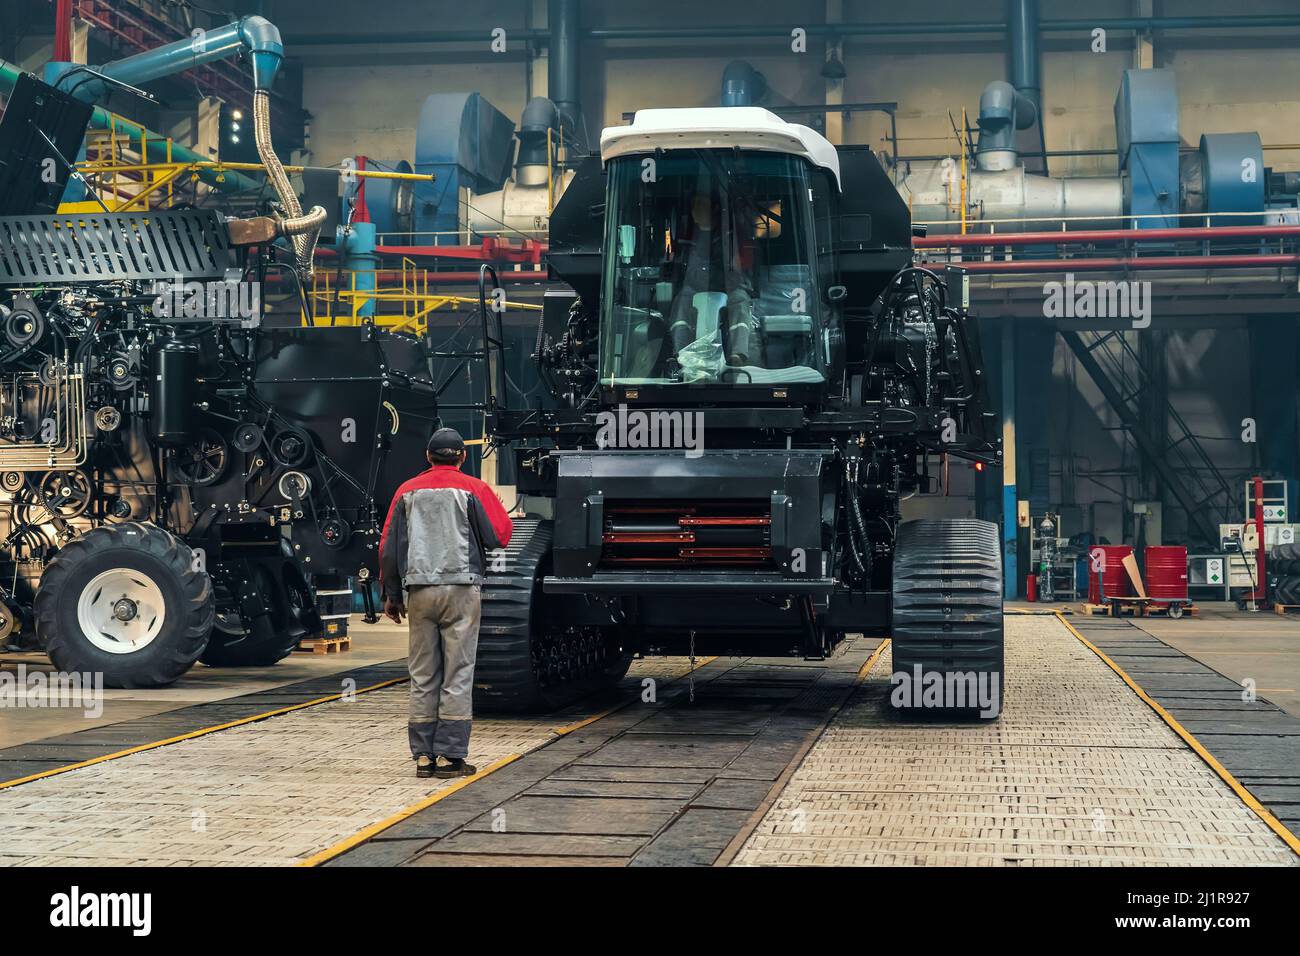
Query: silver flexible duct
(302, 230)
(311, 222)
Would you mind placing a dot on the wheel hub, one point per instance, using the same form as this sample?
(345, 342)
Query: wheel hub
(124, 609)
(121, 611)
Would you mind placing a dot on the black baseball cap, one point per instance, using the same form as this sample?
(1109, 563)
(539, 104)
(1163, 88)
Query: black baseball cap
(446, 439)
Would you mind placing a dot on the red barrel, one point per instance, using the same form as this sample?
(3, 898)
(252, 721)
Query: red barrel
(1166, 573)
(1113, 576)
(1031, 587)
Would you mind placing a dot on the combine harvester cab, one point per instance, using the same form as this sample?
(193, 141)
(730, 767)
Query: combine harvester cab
(748, 379)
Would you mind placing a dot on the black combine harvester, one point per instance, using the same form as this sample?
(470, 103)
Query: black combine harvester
(746, 378)
(180, 480)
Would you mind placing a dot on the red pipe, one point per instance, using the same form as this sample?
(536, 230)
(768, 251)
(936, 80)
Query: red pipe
(437, 278)
(1135, 263)
(489, 251)
(63, 31)
(1106, 235)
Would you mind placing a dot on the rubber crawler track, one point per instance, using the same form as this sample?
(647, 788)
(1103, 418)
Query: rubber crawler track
(947, 600)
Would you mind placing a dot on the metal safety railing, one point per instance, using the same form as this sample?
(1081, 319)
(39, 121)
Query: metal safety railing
(402, 299)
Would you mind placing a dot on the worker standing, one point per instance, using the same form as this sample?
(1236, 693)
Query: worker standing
(440, 527)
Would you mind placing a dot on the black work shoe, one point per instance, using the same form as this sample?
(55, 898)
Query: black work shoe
(448, 767)
(424, 766)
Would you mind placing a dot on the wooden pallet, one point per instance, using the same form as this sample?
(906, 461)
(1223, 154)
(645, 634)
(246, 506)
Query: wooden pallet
(1135, 607)
(1287, 608)
(325, 645)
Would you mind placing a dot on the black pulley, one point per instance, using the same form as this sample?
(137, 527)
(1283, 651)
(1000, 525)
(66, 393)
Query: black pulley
(48, 373)
(25, 324)
(202, 462)
(335, 532)
(247, 437)
(121, 375)
(291, 447)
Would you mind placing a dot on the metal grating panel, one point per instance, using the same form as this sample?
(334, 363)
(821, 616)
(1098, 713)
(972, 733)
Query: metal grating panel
(188, 244)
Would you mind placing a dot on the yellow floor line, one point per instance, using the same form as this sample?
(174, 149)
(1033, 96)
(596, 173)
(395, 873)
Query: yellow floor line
(361, 836)
(195, 733)
(1237, 787)
(870, 662)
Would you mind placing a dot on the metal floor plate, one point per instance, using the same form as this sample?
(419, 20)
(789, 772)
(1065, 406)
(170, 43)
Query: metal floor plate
(1078, 771)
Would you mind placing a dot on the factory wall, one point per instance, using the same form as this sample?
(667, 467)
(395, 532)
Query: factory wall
(367, 98)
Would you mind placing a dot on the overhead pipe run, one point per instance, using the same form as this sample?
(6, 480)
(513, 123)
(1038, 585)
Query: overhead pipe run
(260, 39)
(1023, 66)
(1130, 264)
(255, 35)
(522, 206)
(156, 143)
(815, 29)
(1003, 111)
(1127, 236)
(1022, 50)
(562, 65)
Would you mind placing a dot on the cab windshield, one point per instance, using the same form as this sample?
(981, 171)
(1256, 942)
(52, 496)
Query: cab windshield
(709, 271)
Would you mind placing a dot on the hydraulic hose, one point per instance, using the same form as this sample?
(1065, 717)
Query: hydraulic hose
(302, 231)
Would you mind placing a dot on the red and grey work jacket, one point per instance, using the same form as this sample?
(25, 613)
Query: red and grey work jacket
(439, 527)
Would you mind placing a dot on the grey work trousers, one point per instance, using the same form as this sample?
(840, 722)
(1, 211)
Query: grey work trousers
(443, 621)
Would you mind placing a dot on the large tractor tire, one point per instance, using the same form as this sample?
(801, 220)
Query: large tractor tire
(272, 610)
(947, 617)
(126, 601)
(526, 663)
(1287, 590)
(1285, 560)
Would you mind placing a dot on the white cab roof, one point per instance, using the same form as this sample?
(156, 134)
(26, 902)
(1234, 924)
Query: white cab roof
(719, 127)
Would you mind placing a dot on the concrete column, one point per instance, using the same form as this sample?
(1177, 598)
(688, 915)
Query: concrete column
(80, 40)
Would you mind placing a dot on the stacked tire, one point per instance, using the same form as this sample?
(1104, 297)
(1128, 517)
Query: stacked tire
(1284, 561)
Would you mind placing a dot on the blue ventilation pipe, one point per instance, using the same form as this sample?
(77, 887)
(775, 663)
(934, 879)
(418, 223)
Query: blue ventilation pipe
(257, 36)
